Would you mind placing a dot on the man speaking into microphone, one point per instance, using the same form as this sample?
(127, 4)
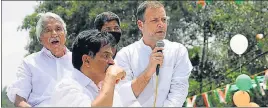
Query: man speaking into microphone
(157, 69)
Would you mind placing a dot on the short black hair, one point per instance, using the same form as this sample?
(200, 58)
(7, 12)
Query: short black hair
(105, 17)
(89, 42)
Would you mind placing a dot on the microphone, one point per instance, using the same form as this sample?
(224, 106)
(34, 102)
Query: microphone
(159, 43)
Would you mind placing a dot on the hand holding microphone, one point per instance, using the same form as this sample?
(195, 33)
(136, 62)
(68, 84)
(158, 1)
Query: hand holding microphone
(156, 58)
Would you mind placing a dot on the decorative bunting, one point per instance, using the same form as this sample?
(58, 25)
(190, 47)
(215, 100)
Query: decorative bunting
(201, 3)
(260, 44)
(227, 93)
(189, 102)
(259, 88)
(224, 95)
(238, 1)
(221, 96)
(216, 93)
(266, 88)
(265, 81)
(206, 99)
(193, 100)
(208, 1)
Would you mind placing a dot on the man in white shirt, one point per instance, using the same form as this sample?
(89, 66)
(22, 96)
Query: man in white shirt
(38, 73)
(94, 77)
(140, 59)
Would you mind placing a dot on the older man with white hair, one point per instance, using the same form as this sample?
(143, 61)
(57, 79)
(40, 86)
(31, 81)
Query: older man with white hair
(39, 72)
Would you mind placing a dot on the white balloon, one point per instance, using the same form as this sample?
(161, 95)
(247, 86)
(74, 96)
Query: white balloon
(239, 44)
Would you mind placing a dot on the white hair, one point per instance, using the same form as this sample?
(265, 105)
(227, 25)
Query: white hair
(42, 20)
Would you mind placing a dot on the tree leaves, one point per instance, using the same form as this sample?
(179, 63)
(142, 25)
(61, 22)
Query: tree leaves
(224, 20)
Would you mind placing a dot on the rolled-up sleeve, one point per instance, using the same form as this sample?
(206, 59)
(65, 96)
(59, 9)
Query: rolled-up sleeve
(124, 87)
(179, 82)
(69, 94)
(22, 86)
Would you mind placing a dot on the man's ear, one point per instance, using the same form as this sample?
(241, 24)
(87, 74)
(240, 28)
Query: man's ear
(41, 40)
(86, 60)
(140, 24)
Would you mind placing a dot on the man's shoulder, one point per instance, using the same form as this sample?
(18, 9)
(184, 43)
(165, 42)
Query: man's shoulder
(133, 45)
(69, 56)
(174, 45)
(32, 57)
(69, 53)
(66, 93)
(68, 83)
(130, 47)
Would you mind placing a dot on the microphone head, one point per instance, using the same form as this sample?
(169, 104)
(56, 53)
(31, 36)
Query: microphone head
(160, 43)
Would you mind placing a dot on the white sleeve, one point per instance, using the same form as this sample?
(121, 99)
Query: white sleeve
(69, 94)
(23, 85)
(124, 87)
(179, 82)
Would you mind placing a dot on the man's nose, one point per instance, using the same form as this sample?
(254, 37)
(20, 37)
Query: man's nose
(161, 24)
(54, 33)
(111, 61)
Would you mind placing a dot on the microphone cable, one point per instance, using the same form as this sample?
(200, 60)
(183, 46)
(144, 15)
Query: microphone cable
(156, 90)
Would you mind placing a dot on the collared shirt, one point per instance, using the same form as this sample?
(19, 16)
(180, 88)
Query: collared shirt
(37, 76)
(173, 75)
(77, 91)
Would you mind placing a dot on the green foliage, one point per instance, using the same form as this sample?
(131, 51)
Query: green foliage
(205, 31)
(4, 99)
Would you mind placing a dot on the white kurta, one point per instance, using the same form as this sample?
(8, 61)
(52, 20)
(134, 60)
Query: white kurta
(173, 76)
(77, 91)
(37, 76)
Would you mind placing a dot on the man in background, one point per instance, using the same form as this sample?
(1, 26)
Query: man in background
(39, 72)
(109, 22)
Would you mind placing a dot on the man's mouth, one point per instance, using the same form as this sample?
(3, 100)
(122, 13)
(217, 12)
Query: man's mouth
(160, 32)
(55, 42)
